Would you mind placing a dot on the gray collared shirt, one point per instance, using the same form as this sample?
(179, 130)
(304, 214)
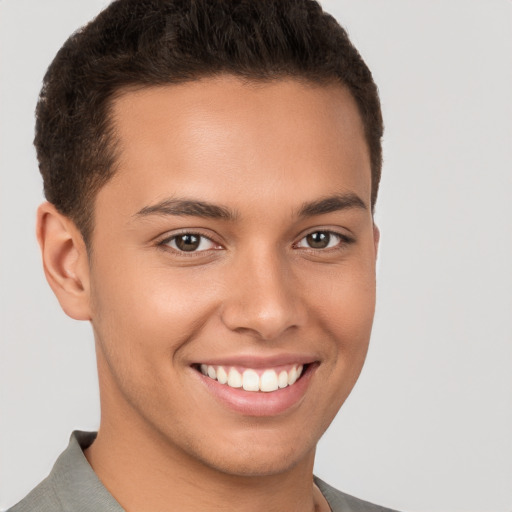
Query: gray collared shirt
(72, 486)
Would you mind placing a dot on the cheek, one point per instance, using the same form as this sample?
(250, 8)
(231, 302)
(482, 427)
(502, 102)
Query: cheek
(143, 316)
(344, 309)
(344, 300)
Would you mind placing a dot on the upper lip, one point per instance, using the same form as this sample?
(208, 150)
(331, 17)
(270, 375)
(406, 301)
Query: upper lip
(258, 361)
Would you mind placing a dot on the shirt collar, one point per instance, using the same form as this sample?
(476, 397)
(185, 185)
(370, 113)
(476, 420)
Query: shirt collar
(76, 483)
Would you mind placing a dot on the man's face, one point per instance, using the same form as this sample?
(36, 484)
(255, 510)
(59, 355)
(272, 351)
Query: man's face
(236, 239)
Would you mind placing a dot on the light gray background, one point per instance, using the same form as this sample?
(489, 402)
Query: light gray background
(429, 426)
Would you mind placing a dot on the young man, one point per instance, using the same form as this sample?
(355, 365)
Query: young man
(211, 170)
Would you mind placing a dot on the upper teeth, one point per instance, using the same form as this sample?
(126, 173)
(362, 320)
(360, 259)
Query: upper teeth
(253, 380)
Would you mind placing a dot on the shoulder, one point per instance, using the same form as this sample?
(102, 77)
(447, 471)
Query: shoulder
(42, 498)
(72, 485)
(341, 502)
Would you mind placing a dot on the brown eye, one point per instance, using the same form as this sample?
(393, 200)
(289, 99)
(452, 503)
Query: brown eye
(318, 240)
(321, 240)
(190, 242)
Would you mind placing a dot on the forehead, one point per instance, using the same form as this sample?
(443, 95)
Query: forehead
(226, 137)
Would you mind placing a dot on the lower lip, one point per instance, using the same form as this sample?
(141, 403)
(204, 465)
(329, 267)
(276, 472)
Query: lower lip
(260, 403)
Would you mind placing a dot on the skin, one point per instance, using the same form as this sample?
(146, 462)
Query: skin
(261, 150)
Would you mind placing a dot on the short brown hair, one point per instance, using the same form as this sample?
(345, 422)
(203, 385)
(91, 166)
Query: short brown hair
(156, 42)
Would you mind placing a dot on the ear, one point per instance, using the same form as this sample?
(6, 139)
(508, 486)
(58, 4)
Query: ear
(376, 239)
(65, 261)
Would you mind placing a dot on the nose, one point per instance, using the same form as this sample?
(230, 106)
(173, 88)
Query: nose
(263, 299)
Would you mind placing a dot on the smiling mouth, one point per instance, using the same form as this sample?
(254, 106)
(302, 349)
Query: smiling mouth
(265, 380)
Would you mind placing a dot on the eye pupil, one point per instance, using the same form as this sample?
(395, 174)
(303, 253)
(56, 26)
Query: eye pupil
(318, 239)
(187, 242)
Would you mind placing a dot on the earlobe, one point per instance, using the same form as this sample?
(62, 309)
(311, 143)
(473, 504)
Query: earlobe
(65, 261)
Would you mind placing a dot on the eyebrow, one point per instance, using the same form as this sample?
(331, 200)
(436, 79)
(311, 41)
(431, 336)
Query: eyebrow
(332, 204)
(188, 207)
(194, 208)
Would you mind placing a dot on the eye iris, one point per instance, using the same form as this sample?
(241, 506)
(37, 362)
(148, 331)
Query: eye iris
(187, 242)
(318, 240)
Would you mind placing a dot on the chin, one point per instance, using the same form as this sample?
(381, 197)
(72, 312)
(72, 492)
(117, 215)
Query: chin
(258, 463)
(258, 456)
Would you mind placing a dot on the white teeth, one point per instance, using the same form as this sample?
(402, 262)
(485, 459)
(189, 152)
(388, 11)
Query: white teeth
(268, 381)
(283, 379)
(222, 376)
(234, 379)
(211, 372)
(250, 380)
(292, 376)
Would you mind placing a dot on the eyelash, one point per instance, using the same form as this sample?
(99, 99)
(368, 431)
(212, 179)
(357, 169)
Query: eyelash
(164, 244)
(344, 240)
